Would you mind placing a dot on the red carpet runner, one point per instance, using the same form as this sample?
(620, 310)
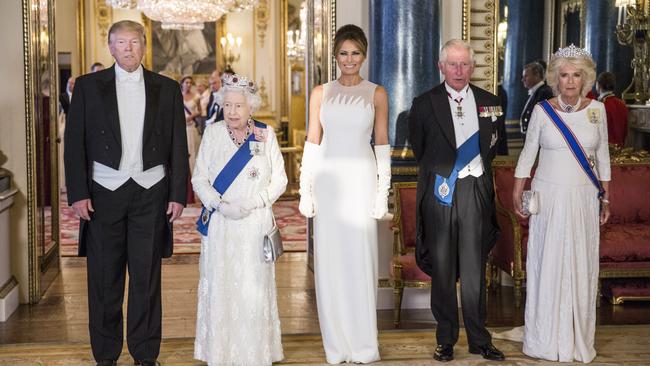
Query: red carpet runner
(293, 227)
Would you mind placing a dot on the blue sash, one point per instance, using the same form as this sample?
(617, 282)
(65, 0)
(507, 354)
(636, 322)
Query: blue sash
(443, 188)
(574, 146)
(226, 176)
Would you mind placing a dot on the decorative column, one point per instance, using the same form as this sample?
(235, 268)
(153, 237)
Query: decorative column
(523, 45)
(600, 40)
(404, 46)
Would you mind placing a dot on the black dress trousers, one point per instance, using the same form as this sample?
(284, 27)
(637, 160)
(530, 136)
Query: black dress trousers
(126, 231)
(455, 237)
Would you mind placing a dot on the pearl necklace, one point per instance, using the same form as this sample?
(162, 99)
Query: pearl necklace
(234, 139)
(568, 107)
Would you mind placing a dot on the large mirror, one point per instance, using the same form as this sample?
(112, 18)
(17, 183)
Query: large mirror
(42, 133)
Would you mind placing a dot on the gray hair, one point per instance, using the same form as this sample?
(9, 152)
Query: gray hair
(456, 43)
(253, 99)
(536, 69)
(127, 25)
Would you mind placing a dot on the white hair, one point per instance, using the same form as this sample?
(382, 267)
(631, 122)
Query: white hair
(253, 99)
(456, 43)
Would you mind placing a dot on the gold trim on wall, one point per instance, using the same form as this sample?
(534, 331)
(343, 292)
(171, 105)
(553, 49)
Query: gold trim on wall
(480, 19)
(81, 36)
(28, 60)
(261, 20)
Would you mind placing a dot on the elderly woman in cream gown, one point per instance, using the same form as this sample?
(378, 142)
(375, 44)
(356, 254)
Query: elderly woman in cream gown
(237, 319)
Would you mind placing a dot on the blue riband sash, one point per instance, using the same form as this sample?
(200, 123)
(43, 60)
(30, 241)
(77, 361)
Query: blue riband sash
(444, 187)
(574, 146)
(226, 176)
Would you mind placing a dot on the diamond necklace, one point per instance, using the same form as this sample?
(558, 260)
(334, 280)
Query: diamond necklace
(568, 107)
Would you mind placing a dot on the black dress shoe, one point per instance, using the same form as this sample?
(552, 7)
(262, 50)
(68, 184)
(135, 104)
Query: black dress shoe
(444, 353)
(147, 363)
(106, 363)
(488, 351)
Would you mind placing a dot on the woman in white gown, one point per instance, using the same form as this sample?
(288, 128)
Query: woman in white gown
(237, 318)
(192, 110)
(344, 186)
(562, 262)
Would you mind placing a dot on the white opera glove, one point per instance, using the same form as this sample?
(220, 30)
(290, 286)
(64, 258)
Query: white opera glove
(233, 210)
(380, 207)
(309, 158)
(252, 203)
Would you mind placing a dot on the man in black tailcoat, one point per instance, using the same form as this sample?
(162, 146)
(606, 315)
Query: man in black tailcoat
(453, 130)
(126, 166)
(533, 80)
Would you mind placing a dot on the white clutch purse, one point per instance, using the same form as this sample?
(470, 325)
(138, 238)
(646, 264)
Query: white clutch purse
(530, 202)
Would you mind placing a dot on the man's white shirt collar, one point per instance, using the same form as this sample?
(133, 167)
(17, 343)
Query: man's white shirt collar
(457, 94)
(122, 75)
(532, 90)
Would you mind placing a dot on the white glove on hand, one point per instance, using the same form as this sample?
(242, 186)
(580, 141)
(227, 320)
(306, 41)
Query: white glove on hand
(309, 159)
(380, 207)
(252, 203)
(233, 210)
(214, 204)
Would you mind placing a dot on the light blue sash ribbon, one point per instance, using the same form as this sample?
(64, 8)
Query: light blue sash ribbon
(444, 188)
(226, 176)
(574, 146)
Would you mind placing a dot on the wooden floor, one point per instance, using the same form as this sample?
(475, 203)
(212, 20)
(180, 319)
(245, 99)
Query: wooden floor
(61, 316)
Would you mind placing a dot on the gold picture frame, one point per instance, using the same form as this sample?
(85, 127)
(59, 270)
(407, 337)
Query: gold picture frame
(202, 56)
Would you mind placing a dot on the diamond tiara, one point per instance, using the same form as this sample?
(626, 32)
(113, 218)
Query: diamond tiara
(572, 52)
(238, 81)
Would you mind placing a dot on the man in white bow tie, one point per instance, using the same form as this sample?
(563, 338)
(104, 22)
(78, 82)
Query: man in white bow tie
(126, 168)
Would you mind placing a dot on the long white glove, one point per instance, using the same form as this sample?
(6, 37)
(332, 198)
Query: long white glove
(309, 160)
(233, 210)
(382, 155)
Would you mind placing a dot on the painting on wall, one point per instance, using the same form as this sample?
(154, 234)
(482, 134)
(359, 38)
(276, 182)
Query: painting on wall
(181, 52)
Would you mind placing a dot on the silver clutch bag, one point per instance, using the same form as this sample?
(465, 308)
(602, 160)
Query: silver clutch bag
(530, 202)
(272, 247)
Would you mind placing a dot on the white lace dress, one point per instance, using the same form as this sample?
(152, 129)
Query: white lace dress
(237, 318)
(345, 236)
(562, 263)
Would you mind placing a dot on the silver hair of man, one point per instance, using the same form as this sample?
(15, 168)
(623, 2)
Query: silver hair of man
(456, 43)
(253, 99)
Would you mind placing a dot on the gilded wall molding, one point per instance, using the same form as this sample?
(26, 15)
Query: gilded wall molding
(479, 29)
(104, 17)
(81, 35)
(261, 20)
(29, 81)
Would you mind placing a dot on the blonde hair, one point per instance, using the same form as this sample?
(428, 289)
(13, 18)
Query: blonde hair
(585, 65)
(127, 25)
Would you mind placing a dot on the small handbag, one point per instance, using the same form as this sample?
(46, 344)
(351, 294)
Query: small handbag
(272, 247)
(530, 202)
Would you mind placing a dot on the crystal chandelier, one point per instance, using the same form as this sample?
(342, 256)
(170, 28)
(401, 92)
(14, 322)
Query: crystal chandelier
(182, 14)
(238, 5)
(122, 4)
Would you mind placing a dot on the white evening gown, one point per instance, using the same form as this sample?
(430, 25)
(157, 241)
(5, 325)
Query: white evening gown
(237, 319)
(562, 263)
(345, 236)
(193, 137)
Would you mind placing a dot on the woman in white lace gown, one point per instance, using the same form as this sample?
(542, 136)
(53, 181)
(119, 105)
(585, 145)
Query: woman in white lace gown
(562, 258)
(344, 186)
(237, 318)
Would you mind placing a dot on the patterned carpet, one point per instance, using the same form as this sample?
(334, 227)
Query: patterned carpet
(293, 227)
(616, 345)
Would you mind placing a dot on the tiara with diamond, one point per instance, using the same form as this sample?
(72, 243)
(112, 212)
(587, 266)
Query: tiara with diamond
(238, 81)
(572, 52)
